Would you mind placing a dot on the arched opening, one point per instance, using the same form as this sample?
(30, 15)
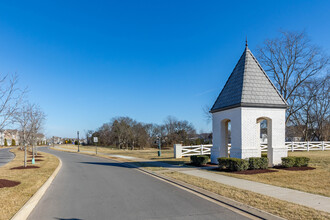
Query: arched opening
(225, 137)
(264, 137)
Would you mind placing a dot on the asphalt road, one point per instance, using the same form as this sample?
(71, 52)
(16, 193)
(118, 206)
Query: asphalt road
(95, 188)
(5, 156)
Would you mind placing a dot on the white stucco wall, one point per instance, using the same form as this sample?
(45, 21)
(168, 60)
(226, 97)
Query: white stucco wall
(218, 149)
(245, 133)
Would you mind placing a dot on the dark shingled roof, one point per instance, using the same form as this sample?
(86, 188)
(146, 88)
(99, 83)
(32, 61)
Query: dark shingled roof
(248, 86)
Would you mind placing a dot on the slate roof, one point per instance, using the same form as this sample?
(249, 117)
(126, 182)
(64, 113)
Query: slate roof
(248, 86)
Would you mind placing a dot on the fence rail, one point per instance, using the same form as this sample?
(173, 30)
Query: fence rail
(182, 151)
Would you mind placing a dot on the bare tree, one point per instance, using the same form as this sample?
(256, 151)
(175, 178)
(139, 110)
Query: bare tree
(178, 131)
(30, 119)
(140, 136)
(313, 119)
(10, 99)
(207, 114)
(121, 131)
(291, 60)
(23, 119)
(37, 119)
(321, 110)
(89, 134)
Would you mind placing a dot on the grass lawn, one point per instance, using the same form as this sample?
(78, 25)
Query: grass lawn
(167, 155)
(275, 206)
(314, 181)
(13, 198)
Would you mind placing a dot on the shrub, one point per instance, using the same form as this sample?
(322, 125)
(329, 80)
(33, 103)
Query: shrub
(254, 163)
(223, 162)
(263, 163)
(233, 164)
(301, 161)
(6, 143)
(295, 161)
(13, 142)
(288, 161)
(199, 160)
(258, 163)
(238, 164)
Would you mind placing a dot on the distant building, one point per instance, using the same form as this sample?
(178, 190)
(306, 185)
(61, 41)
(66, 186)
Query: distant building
(13, 134)
(9, 135)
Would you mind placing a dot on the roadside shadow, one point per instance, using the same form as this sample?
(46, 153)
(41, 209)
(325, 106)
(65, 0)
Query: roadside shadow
(136, 164)
(68, 218)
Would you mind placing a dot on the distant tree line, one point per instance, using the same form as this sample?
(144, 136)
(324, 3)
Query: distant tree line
(126, 133)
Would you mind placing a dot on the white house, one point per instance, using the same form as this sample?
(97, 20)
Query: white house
(9, 135)
(248, 98)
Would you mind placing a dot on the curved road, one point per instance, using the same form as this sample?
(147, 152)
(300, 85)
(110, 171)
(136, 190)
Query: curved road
(95, 188)
(6, 156)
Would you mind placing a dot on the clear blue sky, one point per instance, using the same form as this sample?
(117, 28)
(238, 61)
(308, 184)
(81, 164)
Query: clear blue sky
(85, 62)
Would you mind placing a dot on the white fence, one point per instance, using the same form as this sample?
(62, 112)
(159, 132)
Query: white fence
(182, 151)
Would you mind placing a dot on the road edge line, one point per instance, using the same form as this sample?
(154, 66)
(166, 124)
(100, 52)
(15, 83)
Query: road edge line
(205, 194)
(226, 202)
(28, 207)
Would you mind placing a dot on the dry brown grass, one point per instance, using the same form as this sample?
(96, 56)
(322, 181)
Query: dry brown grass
(12, 199)
(313, 181)
(275, 206)
(142, 164)
(269, 204)
(148, 153)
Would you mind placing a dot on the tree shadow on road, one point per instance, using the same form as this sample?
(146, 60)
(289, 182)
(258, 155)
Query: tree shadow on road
(136, 164)
(68, 218)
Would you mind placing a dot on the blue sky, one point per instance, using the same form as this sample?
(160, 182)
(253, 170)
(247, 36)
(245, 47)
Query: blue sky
(85, 62)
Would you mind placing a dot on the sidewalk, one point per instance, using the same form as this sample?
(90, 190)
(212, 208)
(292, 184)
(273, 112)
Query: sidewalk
(314, 201)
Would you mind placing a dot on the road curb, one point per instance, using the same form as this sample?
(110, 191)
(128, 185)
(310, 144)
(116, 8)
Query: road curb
(230, 203)
(25, 211)
(239, 207)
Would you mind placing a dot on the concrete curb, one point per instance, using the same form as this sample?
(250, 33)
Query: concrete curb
(26, 210)
(249, 211)
(231, 204)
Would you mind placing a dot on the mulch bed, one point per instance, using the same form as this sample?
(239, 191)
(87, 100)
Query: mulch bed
(37, 156)
(249, 172)
(246, 172)
(24, 168)
(35, 160)
(294, 168)
(8, 183)
(205, 165)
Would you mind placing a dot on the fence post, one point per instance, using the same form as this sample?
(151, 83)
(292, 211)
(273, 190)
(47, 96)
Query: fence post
(323, 145)
(307, 145)
(291, 146)
(202, 150)
(177, 150)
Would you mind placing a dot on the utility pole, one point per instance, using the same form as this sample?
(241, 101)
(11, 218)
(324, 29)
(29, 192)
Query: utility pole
(53, 141)
(78, 141)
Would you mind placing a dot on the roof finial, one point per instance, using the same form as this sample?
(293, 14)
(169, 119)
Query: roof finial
(246, 43)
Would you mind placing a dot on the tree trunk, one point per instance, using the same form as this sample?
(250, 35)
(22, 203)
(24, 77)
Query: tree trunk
(25, 156)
